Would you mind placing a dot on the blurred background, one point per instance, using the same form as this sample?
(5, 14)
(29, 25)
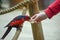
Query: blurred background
(9, 3)
(50, 27)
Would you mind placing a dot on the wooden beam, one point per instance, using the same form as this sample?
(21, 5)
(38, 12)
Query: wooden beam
(36, 28)
(18, 31)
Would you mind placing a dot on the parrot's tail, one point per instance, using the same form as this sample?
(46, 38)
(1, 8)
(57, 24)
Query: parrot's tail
(8, 25)
(6, 33)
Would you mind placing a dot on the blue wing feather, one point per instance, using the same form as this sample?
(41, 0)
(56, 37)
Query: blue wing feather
(16, 18)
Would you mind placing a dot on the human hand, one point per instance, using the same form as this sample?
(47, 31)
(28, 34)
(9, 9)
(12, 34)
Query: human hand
(38, 17)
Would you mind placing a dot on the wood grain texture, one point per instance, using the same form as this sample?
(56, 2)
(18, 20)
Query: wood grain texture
(18, 31)
(36, 28)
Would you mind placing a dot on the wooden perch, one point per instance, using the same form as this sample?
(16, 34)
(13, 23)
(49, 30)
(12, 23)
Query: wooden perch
(18, 31)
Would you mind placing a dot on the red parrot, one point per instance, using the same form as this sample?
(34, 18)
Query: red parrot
(17, 23)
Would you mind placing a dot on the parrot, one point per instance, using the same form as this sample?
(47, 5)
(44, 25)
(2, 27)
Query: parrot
(16, 22)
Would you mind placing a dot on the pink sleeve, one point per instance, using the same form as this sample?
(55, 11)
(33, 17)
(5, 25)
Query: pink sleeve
(53, 9)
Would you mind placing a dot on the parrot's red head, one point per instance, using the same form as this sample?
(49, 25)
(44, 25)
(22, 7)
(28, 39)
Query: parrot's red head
(27, 18)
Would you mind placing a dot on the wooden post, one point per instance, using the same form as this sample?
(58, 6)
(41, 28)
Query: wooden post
(36, 28)
(41, 4)
(18, 31)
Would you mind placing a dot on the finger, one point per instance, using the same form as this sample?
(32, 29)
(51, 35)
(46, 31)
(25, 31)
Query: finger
(38, 21)
(36, 18)
(33, 17)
